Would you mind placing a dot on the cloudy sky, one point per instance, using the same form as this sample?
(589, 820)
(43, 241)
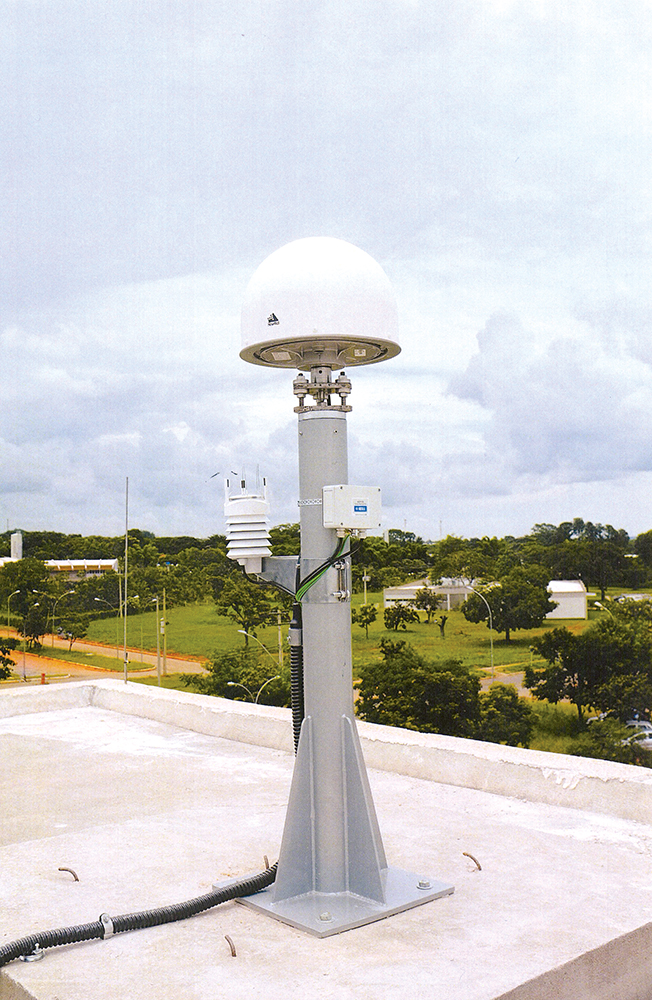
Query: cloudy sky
(493, 156)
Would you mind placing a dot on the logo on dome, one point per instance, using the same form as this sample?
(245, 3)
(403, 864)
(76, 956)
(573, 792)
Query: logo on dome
(272, 320)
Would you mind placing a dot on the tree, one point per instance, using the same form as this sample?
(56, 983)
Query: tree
(468, 558)
(643, 547)
(505, 717)
(580, 549)
(406, 690)
(570, 674)
(403, 689)
(608, 666)
(73, 629)
(285, 539)
(6, 662)
(247, 604)
(26, 576)
(33, 626)
(242, 675)
(399, 615)
(427, 600)
(623, 652)
(519, 600)
(364, 616)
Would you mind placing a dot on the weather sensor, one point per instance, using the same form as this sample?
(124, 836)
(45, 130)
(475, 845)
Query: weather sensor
(247, 532)
(319, 306)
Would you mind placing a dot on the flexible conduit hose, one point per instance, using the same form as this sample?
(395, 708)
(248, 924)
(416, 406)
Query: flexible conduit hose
(295, 640)
(108, 926)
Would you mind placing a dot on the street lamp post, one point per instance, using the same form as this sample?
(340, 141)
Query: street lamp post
(602, 608)
(101, 600)
(158, 642)
(491, 624)
(233, 684)
(164, 631)
(54, 608)
(8, 599)
(35, 605)
(250, 635)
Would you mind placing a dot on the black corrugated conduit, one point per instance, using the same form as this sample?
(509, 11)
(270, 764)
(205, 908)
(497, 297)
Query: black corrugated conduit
(106, 926)
(295, 640)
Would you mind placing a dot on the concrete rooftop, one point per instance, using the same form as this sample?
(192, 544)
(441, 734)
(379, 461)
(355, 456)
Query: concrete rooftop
(152, 795)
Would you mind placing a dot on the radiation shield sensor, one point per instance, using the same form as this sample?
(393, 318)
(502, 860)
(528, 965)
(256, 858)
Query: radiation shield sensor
(247, 533)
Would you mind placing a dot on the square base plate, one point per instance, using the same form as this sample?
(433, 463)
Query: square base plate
(326, 913)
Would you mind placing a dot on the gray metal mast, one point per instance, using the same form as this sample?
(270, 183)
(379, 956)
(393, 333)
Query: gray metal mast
(332, 870)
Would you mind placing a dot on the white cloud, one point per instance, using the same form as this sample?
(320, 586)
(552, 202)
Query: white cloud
(494, 157)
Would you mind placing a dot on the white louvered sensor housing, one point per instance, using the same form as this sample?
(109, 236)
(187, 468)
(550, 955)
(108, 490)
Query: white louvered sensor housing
(247, 532)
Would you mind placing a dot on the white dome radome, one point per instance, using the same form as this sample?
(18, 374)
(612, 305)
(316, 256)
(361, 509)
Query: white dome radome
(319, 301)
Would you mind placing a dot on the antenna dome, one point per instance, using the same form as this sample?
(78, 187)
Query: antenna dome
(319, 301)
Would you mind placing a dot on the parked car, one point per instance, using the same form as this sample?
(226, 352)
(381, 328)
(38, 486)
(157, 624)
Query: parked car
(640, 724)
(641, 734)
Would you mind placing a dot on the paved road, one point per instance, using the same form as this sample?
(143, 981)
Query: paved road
(141, 664)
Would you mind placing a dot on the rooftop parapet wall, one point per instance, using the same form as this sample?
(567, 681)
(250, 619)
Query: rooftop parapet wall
(555, 779)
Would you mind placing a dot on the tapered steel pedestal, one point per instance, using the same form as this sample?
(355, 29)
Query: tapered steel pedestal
(332, 870)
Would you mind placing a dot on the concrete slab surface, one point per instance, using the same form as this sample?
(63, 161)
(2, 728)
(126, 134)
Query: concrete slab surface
(149, 813)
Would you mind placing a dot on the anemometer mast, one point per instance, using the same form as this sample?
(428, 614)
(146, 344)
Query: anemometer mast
(321, 305)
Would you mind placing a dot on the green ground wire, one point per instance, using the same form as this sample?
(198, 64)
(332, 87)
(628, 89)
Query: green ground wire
(317, 574)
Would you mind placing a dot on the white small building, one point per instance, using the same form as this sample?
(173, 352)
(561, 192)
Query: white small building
(571, 598)
(569, 595)
(453, 591)
(404, 594)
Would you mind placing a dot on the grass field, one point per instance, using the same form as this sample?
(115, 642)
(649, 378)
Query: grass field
(192, 630)
(557, 727)
(197, 630)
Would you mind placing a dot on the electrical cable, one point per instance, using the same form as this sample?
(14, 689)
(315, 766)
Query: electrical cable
(107, 926)
(266, 583)
(316, 574)
(304, 585)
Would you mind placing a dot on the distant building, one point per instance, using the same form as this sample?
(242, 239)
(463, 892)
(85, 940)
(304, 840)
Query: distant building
(16, 539)
(453, 591)
(76, 569)
(571, 597)
(72, 569)
(17, 545)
